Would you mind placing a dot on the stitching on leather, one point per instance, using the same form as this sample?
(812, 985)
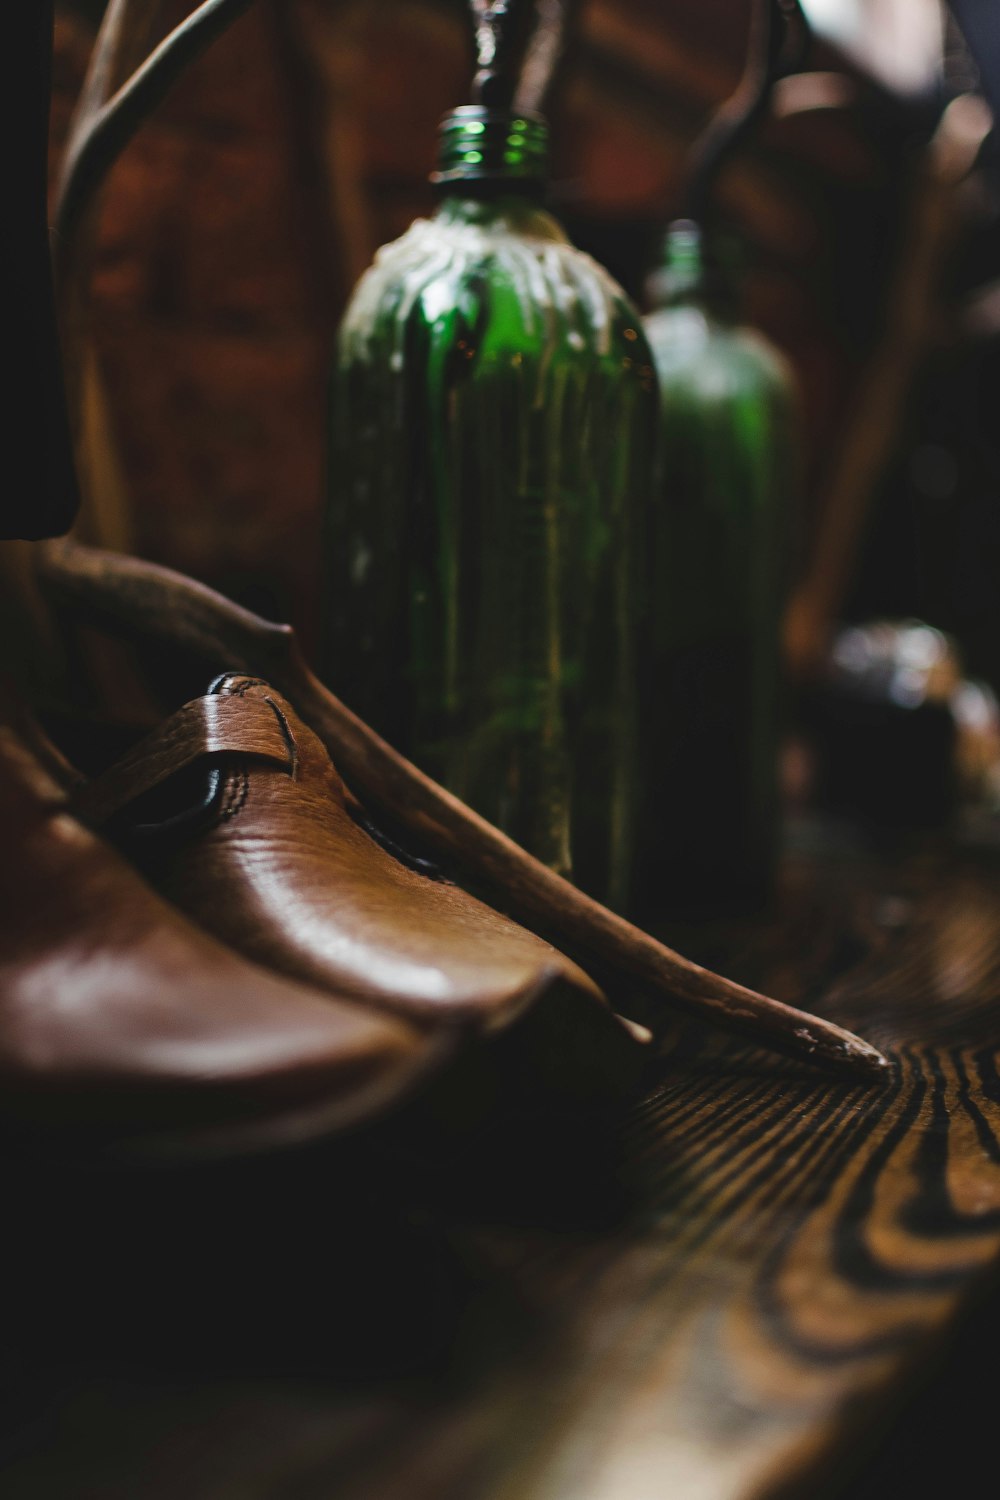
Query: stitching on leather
(238, 783)
(238, 790)
(289, 738)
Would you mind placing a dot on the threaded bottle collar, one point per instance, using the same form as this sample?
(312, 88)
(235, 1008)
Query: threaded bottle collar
(491, 146)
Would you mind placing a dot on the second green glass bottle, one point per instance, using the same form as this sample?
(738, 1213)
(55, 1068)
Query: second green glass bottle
(492, 432)
(719, 560)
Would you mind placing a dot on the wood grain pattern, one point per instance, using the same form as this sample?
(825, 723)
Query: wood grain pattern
(716, 1298)
(795, 1246)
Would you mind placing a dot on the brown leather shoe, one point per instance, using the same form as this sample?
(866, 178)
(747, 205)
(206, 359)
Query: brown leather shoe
(234, 810)
(119, 1019)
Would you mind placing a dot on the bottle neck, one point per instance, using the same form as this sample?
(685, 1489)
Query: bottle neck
(492, 153)
(688, 274)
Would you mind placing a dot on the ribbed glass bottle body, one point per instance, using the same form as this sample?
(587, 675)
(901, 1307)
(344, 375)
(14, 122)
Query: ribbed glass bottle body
(493, 412)
(718, 563)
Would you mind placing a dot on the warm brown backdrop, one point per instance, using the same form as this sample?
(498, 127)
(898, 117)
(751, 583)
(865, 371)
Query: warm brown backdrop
(235, 225)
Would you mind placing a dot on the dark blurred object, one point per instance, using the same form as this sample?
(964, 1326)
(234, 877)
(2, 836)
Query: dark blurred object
(43, 502)
(932, 548)
(779, 38)
(886, 734)
(978, 22)
(911, 322)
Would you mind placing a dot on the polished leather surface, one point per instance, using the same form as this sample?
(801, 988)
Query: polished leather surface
(115, 1011)
(282, 871)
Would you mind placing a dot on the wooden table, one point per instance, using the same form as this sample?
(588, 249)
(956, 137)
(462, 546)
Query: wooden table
(732, 1292)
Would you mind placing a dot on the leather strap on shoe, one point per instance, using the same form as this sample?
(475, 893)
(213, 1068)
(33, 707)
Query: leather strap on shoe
(204, 728)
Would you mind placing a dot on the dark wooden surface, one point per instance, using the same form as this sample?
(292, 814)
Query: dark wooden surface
(734, 1291)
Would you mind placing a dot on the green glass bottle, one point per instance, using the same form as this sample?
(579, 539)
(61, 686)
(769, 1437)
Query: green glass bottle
(718, 564)
(493, 416)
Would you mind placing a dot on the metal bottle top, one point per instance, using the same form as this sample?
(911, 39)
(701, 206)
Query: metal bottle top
(479, 145)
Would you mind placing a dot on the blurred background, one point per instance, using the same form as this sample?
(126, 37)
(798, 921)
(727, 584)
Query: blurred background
(864, 214)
